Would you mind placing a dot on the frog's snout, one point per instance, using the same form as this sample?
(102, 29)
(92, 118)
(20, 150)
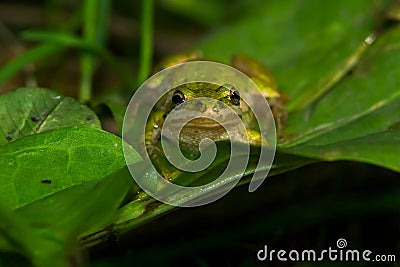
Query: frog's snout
(202, 105)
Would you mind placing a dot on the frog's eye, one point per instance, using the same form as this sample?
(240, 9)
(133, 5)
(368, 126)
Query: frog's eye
(234, 96)
(178, 97)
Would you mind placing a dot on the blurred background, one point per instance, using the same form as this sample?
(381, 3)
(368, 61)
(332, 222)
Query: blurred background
(175, 31)
(307, 208)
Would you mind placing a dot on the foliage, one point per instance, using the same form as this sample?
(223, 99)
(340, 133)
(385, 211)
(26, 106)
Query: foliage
(64, 184)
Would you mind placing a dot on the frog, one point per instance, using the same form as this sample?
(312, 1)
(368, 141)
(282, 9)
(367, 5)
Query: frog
(225, 95)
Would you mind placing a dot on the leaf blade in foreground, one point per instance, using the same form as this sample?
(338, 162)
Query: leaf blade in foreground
(42, 164)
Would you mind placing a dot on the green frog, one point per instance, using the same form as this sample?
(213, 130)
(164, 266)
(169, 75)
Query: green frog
(200, 128)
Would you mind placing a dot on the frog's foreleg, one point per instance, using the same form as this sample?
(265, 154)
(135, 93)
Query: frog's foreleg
(156, 154)
(152, 135)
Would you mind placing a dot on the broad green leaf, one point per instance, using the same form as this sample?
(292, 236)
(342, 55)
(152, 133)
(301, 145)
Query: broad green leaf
(382, 149)
(305, 43)
(53, 224)
(42, 164)
(364, 126)
(27, 111)
(282, 162)
(311, 59)
(207, 12)
(145, 208)
(370, 94)
(13, 232)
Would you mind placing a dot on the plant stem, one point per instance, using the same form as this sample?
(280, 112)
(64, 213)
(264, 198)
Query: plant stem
(94, 29)
(146, 42)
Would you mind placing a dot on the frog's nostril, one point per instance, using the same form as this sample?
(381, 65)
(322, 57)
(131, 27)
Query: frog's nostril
(200, 106)
(218, 107)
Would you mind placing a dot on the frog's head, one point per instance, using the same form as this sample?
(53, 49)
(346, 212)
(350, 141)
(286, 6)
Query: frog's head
(224, 94)
(214, 102)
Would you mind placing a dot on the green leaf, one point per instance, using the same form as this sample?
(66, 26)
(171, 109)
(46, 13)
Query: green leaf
(27, 111)
(52, 225)
(365, 125)
(42, 164)
(302, 54)
(382, 149)
(207, 12)
(335, 114)
(13, 232)
(369, 95)
(144, 208)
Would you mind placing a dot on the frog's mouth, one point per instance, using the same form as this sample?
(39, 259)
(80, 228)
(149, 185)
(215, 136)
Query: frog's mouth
(195, 130)
(207, 123)
(203, 122)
